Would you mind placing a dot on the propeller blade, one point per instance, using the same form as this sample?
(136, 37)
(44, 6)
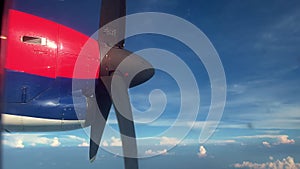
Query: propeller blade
(97, 119)
(112, 35)
(123, 110)
(110, 11)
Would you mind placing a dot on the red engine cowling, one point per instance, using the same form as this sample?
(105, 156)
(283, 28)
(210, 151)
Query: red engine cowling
(41, 47)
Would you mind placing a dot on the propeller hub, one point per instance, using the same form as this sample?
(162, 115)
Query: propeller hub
(132, 67)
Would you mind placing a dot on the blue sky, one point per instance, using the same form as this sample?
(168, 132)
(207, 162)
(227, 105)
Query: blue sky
(258, 44)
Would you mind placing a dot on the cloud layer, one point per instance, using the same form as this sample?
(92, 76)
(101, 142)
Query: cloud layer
(285, 163)
(24, 140)
(274, 139)
(31, 140)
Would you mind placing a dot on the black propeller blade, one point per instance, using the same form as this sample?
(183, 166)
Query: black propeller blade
(113, 83)
(112, 33)
(125, 120)
(98, 119)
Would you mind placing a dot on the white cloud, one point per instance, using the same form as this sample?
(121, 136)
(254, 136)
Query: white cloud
(284, 140)
(151, 152)
(270, 131)
(280, 139)
(164, 151)
(267, 144)
(82, 141)
(41, 140)
(22, 140)
(221, 142)
(84, 144)
(202, 152)
(72, 137)
(104, 143)
(55, 142)
(115, 142)
(260, 136)
(286, 163)
(15, 144)
(19, 144)
(169, 141)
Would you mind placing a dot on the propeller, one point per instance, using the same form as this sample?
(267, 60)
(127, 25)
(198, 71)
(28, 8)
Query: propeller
(112, 86)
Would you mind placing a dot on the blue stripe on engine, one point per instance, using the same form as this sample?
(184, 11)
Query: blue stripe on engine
(42, 97)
